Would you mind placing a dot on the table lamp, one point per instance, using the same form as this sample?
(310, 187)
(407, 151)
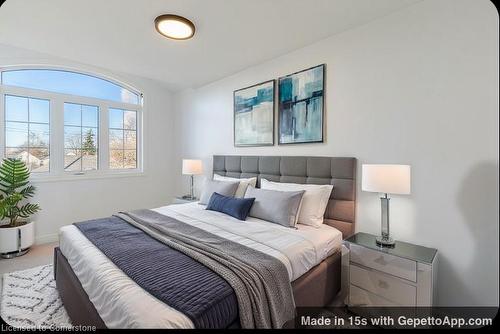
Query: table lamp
(191, 167)
(386, 179)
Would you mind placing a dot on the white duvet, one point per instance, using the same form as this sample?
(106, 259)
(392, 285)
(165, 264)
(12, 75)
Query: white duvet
(121, 303)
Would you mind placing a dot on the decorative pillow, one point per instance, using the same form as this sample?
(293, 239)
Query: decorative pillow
(225, 188)
(279, 207)
(235, 207)
(314, 201)
(244, 183)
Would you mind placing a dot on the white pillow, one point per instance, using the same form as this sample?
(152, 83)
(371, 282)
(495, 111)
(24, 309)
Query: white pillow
(314, 201)
(244, 183)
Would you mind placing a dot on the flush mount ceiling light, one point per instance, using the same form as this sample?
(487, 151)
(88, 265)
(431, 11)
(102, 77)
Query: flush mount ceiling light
(174, 26)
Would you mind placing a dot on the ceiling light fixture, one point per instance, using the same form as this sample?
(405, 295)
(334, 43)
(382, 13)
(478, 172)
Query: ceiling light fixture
(174, 26)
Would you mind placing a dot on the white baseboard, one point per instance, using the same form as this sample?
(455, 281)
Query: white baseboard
(47, 238)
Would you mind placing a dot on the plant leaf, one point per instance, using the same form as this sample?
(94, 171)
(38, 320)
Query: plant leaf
(28, 209)
(14, 187)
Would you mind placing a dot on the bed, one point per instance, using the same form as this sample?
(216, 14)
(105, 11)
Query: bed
(107, 297)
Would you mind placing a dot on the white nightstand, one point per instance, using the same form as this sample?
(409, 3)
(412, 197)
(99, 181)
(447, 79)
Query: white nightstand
(180, 200)
(404, 275)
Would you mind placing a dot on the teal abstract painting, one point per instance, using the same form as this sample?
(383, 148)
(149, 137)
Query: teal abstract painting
(301, 103)
(254, 115)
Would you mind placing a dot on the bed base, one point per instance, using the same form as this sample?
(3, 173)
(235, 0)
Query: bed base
(316, 288)
(80, 309)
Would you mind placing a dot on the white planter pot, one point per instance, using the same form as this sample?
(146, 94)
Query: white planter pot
(15, 241)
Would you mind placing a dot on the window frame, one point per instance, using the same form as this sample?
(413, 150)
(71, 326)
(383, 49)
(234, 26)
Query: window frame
(81, 127)
(28, 123)
(123, 129)
(56, 105)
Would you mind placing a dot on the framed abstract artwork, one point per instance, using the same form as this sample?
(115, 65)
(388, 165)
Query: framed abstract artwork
(254, 115)
(301, 106)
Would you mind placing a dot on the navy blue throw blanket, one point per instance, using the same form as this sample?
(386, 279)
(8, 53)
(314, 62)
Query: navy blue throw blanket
(171, 276)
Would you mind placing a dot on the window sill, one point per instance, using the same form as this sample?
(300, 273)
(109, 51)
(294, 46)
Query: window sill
(82, 177)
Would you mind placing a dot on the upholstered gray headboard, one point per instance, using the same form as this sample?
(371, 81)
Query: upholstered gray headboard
(339, 172)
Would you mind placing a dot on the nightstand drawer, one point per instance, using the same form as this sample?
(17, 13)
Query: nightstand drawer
(361, 297)
(386, 263)
(383, 285)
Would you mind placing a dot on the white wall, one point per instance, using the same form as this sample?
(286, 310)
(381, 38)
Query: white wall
(418, 87)
(65, 202)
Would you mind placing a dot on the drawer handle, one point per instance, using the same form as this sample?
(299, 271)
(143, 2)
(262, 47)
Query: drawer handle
(383, 284)
(380, 260)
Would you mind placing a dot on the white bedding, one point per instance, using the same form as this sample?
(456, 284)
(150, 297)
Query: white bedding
(121, 303)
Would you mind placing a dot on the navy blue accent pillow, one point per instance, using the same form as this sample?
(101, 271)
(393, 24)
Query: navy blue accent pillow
(238, 208)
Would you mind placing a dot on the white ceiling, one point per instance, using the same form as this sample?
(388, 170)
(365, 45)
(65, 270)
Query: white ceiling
(231, 34)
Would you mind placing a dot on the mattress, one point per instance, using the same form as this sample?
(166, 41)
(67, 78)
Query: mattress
(116, 297)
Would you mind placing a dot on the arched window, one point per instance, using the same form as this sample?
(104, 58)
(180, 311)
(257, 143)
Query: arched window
(65, 122)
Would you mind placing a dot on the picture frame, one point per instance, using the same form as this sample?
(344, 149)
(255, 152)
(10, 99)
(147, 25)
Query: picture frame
(298, 122)
(254, 115)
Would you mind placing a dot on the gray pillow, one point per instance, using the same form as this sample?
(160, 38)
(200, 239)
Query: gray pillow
(225, 188)
(279, 207)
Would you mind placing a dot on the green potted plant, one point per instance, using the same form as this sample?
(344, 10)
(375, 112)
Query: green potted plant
(17, 233)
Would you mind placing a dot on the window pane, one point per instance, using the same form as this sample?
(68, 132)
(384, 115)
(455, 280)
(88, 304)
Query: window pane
(39, 160)
(115, 118)
(72, 114)
(16, 152)
(122, 139)
(36, 159)
(72, 160)
(72, 83)
(39, 135)
(89, 140)
(89, 116)
(81, 142)
(39, 111)
(27, 131)
(16, 134)
(129, 140)
(16, 108)
(130, 160)
(72, 137)
(21, 154)
(89, 160)
(116, 139)
(129, 120)
(115, 159)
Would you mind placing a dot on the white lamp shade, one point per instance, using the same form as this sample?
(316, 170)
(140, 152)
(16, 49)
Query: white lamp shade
(388, 179)
(192, 167)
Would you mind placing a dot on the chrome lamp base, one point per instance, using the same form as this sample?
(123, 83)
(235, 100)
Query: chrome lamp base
(189, 198)
(385, 241)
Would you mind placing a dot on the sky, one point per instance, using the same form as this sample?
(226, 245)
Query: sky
(67, 82)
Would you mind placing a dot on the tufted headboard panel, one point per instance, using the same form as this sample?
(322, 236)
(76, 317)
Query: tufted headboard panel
(339, 172)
